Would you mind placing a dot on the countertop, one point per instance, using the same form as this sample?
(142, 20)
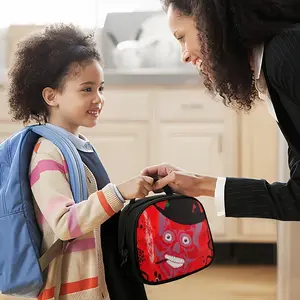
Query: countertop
(144, 77)
(155, 76)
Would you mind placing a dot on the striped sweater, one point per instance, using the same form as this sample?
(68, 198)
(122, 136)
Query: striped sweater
(59, 217)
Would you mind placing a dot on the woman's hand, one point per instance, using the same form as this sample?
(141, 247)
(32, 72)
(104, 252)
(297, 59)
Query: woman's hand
(181, 181)
(137, 187)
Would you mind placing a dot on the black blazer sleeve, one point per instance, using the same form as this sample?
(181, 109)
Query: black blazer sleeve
(259, 198)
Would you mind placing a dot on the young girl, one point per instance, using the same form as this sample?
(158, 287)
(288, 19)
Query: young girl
(56, 78)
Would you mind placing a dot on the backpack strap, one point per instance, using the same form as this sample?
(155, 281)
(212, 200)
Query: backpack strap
(50, 254)
(72, 157)
(55, 251)
(78, 187)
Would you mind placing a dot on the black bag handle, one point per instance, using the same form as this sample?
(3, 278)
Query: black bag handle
(168, 191)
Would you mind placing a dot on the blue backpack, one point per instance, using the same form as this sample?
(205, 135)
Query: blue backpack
(21, 264)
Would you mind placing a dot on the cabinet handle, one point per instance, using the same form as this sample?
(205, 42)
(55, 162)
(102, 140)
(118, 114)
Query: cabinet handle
(220, 143)
(192, 106)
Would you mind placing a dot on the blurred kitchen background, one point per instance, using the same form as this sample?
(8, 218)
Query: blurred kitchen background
(157, 110)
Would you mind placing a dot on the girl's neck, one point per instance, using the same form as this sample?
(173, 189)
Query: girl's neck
(64, 125)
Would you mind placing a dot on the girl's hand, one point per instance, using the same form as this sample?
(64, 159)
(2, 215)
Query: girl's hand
(137, 187)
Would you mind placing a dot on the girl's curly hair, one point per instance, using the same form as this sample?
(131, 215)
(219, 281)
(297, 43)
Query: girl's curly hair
(228, 32)
(43, 59)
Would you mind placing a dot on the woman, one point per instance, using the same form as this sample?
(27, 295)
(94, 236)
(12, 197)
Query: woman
(246, 49)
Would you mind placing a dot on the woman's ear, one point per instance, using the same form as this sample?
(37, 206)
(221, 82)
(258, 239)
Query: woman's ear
(49, 95)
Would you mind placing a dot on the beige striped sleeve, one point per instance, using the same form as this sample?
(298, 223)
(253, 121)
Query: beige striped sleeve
(52, 193)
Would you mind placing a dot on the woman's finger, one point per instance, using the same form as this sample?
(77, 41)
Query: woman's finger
(150, 171)
(160, 183)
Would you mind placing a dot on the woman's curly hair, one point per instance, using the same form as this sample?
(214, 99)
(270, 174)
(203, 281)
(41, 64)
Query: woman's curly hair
(43, 59)
(228, 32)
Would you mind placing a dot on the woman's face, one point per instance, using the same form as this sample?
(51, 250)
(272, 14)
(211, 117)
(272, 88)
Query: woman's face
(185, 31)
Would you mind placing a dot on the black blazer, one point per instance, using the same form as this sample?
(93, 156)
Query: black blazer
(258, 198)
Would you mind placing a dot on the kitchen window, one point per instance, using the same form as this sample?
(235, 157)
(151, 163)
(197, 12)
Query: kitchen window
(86, 13)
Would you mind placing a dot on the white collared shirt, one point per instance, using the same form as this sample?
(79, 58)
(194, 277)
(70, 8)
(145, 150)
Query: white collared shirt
(260, 84)
(80, 142)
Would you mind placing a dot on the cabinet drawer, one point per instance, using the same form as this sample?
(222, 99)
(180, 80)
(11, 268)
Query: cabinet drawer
(126, 104)
(188, 105)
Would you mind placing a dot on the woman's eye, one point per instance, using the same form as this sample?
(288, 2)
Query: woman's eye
(87, 90)
(101, 89)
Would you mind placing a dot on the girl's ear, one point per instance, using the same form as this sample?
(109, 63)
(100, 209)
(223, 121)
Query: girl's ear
(49, 95)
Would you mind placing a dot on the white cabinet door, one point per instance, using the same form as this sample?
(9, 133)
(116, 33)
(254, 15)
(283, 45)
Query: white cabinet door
(258, 160)
(197, 148)
(122, 148)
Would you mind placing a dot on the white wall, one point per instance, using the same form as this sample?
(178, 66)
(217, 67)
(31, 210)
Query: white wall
(87, 13)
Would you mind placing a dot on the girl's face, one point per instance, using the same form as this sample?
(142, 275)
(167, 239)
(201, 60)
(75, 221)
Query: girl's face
(81, 99)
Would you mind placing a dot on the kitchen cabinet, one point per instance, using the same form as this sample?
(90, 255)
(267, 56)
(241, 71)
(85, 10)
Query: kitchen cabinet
(192, 133)
(121, 147)
(148, 124)
(140, 126)
(187, 128)
(259, 153)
